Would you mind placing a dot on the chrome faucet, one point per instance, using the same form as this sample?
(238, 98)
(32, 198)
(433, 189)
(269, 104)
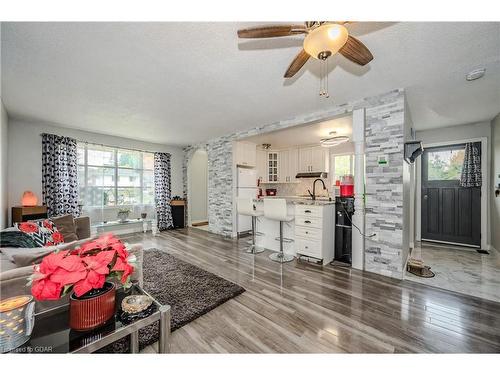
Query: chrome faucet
(313, 194)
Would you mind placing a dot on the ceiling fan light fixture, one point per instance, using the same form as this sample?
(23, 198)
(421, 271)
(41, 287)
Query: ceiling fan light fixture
(325, 40)
(333, 141)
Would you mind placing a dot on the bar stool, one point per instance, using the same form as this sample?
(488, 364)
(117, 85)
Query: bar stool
(244, 206)
(275, 209)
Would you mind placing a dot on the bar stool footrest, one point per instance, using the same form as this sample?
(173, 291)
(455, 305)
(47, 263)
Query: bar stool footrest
(285, 240)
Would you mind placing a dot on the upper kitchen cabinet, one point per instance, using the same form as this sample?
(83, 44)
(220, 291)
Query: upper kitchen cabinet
(288, 164)
(245, 153)
(273, 166)
(261, 165)
(313, 159)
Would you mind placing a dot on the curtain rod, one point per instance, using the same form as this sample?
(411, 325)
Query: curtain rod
(110, 146)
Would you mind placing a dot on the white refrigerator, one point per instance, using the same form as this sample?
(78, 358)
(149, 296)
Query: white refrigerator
(246, 187)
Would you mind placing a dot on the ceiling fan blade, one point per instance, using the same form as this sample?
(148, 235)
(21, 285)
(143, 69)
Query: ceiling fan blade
(297, 63)
(271, 31)
(356, 51)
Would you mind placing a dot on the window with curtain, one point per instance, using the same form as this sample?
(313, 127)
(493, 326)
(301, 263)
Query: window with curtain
(109, 176)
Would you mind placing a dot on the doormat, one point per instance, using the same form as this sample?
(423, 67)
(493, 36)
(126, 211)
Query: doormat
(417, 268)
(481, 251)
(421, 272)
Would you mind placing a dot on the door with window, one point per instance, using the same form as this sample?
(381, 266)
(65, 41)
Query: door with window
(450, 213)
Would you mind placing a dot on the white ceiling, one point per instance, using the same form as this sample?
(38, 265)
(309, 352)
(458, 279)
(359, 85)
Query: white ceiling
(181, 83)
(309, 134)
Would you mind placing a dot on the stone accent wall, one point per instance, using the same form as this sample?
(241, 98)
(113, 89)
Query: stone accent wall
(384, 185)
(384, 136)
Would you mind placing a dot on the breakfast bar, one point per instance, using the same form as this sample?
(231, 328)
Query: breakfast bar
(310, 234)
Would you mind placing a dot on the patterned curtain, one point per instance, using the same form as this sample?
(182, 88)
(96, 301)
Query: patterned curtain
(471, 170)
(162, 191)
(59, 175)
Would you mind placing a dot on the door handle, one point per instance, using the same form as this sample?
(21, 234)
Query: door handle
(425, 196)
(307, 211)
(307, 222)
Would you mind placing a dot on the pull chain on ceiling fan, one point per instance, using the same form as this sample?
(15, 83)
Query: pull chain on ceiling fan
(323, 39)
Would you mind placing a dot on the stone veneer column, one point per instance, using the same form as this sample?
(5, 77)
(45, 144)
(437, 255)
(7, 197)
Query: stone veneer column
(358, 137)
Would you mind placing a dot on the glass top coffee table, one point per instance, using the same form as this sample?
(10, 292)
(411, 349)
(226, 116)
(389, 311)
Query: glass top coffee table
(51, 333)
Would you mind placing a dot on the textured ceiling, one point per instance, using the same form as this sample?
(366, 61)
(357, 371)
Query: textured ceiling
(181, 83)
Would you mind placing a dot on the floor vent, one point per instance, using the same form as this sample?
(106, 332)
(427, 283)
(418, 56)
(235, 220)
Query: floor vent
(481, 251)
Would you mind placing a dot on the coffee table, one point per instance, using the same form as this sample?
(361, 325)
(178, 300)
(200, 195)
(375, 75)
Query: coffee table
(52, 334)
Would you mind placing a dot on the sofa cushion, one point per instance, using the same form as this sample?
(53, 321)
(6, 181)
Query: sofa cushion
(16, 239)
(44, 232)
(66, 226)
(33, 256)
(6, 264)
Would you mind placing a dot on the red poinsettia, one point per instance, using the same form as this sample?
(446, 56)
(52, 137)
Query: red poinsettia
(82, 269)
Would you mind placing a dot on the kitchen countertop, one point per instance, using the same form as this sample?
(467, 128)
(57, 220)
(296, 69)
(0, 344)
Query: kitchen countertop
(320, 201)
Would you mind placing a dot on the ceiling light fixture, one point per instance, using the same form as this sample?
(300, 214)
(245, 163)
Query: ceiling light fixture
(333, 141)
(325, 40)
(475, 74)
(321, 43)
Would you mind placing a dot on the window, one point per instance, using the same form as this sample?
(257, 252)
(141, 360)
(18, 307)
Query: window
(445, 165)
(110, 176)
(342, 165)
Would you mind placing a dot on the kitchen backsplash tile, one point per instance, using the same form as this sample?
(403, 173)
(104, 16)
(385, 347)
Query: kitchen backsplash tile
(300, 188)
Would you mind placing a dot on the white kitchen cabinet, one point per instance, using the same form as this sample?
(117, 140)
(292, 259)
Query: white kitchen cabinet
(320, 159)
(288, 165)
(283, 165)
(314, 231)
(293, 164)
(245, 153)
(261, 165)
(313, 159)
(305, 159)
(272, 166)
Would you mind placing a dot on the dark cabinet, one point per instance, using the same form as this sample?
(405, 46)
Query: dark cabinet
(178, 213)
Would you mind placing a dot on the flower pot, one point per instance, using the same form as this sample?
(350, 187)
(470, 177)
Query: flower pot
(93, 309)
(123, 216)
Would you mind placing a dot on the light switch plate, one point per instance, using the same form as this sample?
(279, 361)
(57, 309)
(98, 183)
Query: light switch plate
(383, 160)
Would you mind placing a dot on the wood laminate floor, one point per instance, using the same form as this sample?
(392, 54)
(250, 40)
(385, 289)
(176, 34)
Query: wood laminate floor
(304, 308)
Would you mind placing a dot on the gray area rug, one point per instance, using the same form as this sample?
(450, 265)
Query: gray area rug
(188, 289)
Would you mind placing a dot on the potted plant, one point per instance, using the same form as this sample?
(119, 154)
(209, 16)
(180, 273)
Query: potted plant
(88, 273)
(123, 214)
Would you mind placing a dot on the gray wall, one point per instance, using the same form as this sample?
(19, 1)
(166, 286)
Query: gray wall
(25, 150)
(495, 180)
(384, 185)
(3, 166)
(455, 133)
(198, 182)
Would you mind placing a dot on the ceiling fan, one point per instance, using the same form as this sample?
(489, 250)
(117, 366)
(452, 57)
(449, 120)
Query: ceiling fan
(323, 39)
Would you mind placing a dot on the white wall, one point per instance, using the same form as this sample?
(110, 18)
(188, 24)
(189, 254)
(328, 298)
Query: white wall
(495, 181)
(458, 133)
(25, 151)
(198, 190)
(3, 166)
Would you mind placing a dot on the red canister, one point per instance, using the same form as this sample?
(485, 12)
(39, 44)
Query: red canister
(347, 186)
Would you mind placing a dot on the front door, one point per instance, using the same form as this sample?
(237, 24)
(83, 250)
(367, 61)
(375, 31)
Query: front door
(450, 213)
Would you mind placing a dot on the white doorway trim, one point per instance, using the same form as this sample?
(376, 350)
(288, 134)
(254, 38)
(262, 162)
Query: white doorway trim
(485, 188)
(189, 187)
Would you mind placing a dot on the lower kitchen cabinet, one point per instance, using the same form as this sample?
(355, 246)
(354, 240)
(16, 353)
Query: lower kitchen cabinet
(314, 231)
